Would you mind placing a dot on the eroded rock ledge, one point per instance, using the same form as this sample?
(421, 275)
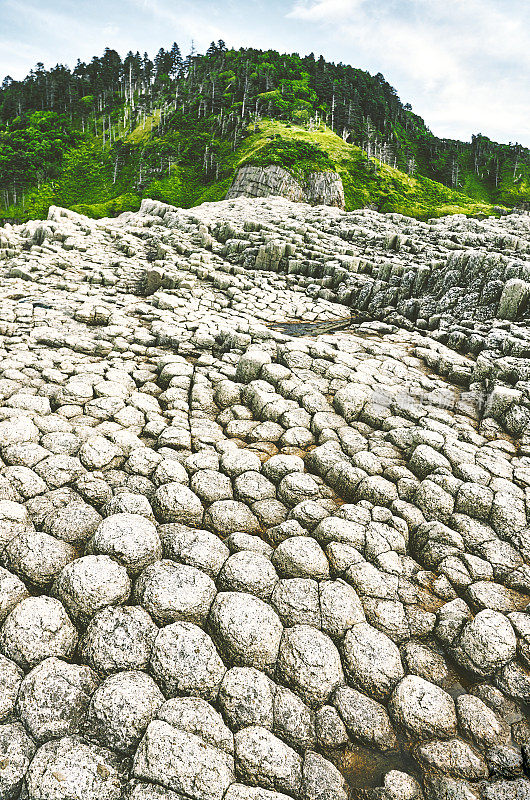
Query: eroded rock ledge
(237, 564)
(317, 188)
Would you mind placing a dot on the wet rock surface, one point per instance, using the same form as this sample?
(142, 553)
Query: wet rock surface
(239, 563)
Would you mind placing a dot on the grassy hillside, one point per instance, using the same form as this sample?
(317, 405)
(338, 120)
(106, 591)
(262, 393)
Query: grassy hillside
(100, 180)
(109, 132)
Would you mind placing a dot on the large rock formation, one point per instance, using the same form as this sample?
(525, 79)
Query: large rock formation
(317, 188)
(241, 564)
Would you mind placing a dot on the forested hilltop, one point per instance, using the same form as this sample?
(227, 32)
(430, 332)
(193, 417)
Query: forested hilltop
(104, 134)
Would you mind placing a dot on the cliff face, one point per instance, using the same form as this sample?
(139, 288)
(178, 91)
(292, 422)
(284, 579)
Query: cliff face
(318, 188)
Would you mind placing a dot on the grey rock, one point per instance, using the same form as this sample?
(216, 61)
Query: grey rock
(423, 708)
(16, 752)
(184, 660)
(37, 628)
(246, 628)
(119, 638)
(372, 660)
(262, 758)
(122, 707)
(183, 762)
(71, 769)
(310, 663)
(54, 698)
(366, 720)
(171, 592)
(89, 584)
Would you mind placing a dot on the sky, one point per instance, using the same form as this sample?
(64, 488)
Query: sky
(464, 65)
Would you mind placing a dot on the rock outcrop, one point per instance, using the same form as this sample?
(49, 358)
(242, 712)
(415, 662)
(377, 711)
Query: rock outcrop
(317, 188)
(237, 563)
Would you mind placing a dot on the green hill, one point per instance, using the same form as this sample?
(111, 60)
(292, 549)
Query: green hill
(101, 137)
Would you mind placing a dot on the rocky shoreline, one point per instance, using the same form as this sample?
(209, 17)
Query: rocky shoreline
(239, 564)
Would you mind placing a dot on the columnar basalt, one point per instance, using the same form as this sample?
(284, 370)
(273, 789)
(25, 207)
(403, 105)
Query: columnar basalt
(242, 564)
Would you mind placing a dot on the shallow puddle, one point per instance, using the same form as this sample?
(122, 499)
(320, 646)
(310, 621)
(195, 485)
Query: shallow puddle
(364, 768)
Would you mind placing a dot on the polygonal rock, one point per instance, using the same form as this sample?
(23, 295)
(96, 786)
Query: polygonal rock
(122, 708)
(262, 758)
(297, 602)
(183, 762)
(184, 660)
(10, 679)
(38, 627)
(479, 723)
(310, 663)
(70, 769)
(119, 638)
(321, 779)
(54, 698)
(293, 719)
(228, 516)
(12, 591)
(171, 592)
(247, 571)
(37, 557)
(423, 709)
(486, 643)
(246, 698)
(73, 523)
(246, 628)
(130, 539)
(211, 486)
(14, 519)
(340, 607)
(195, 715)
(174, 502)
(366, 720)
(301, 557)
(198, 548)
(89, 584)
(16, 752)
(372, 659)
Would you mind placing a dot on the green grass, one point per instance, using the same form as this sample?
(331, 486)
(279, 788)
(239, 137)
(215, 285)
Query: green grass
(88, 183)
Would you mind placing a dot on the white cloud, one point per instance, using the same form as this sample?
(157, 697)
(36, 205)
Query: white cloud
(464, 64)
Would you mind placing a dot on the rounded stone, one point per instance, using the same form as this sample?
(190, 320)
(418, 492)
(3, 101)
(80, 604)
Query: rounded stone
(12, 591)
(16, 752)
(128, 503)
(131, 539)
(172, 592)
(37, 628)
(423, 709)
(229, 516)
(295, 487)
(310, 663)
(372, 660)
(196, 547)
(54, 698)
(246, 697)
(71, 769)
(37, 557)
(301, 557)
(246, 628)
(10, 679)
(89, 584)
(248, 571)
(487, 643)
(174, 502)
(122, 708)
(184, 661)
(75, 522)
(119, 638)
(211, 485)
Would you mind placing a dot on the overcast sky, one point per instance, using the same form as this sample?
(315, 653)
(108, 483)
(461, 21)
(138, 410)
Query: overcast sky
(464, 65)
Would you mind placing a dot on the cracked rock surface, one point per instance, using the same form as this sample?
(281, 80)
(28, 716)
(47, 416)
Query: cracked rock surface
(248, 552)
